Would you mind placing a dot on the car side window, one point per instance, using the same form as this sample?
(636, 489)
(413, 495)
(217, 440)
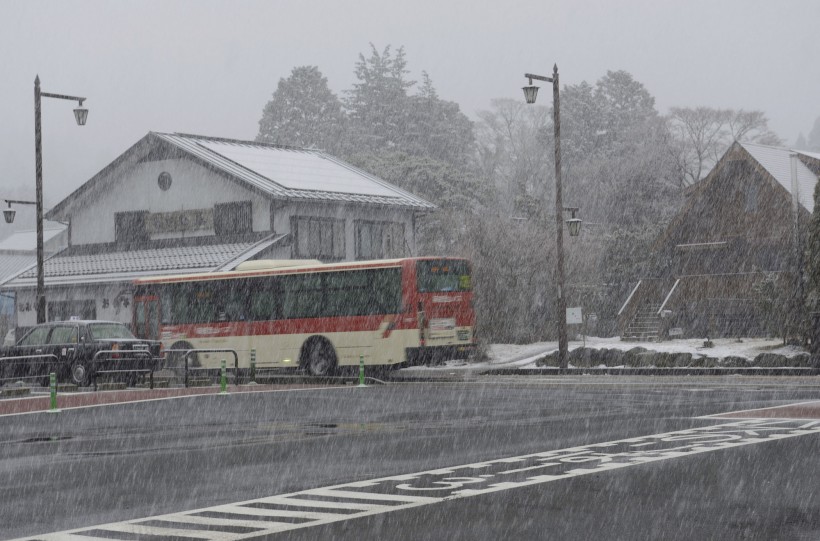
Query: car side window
(37, 337)
(65, 334)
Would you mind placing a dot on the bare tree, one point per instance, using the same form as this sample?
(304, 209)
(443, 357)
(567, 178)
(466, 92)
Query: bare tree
(700, 135)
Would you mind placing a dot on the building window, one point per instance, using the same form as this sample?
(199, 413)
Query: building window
(378, 240)
(131, 226)
(322, 238)
(233, 218)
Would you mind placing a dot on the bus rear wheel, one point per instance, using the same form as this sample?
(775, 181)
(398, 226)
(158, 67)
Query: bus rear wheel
(320, 358)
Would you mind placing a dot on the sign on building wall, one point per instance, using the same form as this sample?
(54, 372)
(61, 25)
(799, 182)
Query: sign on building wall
(180, 220)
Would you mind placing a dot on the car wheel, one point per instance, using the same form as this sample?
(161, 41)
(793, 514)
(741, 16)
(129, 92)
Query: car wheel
(320, 358)
(80, 374)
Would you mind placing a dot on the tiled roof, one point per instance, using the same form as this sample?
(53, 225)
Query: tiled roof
(291, 173)
(70, 267)
(777, 162)
(13, 264)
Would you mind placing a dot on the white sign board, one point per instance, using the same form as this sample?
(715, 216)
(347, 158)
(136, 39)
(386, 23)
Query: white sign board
(676, 331)
(574, 316)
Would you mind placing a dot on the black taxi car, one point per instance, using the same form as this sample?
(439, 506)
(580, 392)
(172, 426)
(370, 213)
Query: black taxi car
(75, 350)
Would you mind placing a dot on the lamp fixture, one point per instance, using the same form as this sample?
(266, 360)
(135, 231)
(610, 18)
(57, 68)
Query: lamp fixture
(8, 214)
(81, 114)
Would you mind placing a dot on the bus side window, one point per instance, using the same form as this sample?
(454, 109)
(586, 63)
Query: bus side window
(264, 302)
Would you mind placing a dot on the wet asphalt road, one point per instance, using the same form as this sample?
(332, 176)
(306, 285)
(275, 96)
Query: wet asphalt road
(84, 467)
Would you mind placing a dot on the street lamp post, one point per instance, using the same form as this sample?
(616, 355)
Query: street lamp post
(530, 93)
(80, 115)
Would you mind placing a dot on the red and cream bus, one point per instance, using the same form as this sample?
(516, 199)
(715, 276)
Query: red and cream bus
(315, 316)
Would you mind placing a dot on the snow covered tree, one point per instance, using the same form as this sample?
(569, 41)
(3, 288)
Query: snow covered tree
(377, 104)
(437, 128)
(303, 112)
(513, 154)
(624, 102)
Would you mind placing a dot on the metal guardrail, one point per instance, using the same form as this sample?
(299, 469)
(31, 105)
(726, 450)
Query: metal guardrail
(52, 360)
(186, 353)
(119, 354)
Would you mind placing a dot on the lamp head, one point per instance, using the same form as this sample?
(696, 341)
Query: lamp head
(530, 92)
(81, 114)
(574, 226)
(8, 214)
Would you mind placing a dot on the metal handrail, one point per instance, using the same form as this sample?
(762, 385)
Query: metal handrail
(50, 356)
(122, 354)
(187, 353)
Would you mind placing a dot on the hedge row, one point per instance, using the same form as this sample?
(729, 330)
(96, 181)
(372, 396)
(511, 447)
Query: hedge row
(644, 358)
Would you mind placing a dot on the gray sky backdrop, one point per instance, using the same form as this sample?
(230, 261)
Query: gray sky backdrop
(209, 66)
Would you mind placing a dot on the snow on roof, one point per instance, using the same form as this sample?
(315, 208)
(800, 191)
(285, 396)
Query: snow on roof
(294, 173)
(70, 267)
(777, 162)
(298, 169)
(13, 264)
(815, 155)
(26, 240)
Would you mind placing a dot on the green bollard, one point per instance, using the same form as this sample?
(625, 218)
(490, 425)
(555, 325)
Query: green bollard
(253, 366)
(223, 383)
(52, 384)
(361, 371)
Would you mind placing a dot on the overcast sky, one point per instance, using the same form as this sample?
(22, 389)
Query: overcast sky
(209, 67)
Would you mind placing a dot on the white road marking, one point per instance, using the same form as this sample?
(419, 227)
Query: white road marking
(137, 528)
(260, 524)
(375, 496)
(272, 513)
(728, 415)
(369, 496)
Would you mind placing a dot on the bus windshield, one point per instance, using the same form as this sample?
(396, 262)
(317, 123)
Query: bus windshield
(443, 275)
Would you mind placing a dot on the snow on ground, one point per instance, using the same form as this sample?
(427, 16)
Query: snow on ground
(524, 356)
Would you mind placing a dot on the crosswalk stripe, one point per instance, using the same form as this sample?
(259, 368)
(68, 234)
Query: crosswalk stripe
(214, 521)
(357, 506)
(141, 529)
(371, 496)
(261, 512)
(69, 537)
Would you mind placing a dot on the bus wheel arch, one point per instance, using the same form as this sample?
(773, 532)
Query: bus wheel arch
(177, 359)
(318, 356)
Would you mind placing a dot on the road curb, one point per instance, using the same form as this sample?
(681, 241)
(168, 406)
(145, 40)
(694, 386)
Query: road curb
(647, 371)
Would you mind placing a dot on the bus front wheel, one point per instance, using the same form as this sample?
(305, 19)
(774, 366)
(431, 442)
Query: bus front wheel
(320, 358)
(176, 359)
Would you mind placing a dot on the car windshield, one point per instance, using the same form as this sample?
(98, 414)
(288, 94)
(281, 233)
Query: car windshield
(107, 331)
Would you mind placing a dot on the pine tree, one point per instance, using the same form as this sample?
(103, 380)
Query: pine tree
(303, 112)
(377, 104)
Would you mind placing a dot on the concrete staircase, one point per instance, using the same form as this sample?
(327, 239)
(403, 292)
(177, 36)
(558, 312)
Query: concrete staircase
(646, 324)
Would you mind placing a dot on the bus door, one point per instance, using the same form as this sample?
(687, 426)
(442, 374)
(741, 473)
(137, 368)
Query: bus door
(146, 317)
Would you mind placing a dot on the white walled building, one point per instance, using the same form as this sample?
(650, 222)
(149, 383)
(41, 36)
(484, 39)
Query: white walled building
(176, 203)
